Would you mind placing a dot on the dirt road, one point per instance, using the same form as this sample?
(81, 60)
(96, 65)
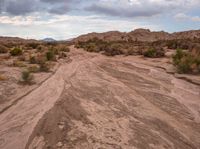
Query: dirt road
(97, 102)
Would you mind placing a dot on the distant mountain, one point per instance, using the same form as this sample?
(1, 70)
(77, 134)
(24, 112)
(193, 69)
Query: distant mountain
(13, 40)
(140, 35)
(49, 40)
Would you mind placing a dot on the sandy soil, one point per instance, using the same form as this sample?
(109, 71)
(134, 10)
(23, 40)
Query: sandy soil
(11, 91)
(97, 102)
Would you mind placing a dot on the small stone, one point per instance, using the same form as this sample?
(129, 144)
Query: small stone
(61, 125)
(59, 144)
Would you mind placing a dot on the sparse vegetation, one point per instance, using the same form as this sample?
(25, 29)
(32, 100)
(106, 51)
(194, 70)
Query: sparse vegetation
(184, 44)
(16, 51)
(27, 77)
(44, 67)
(33, 45)
(154, 53)
(113, 48)
(33, 60)
(17, 63)
(64, 48)
(62, 55)
(50, 55)
(34, 68)
(186, 62)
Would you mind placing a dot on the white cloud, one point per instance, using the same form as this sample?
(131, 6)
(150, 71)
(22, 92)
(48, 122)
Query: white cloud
(184, 17)
(66, 26)
(18, 20)
(196, 18)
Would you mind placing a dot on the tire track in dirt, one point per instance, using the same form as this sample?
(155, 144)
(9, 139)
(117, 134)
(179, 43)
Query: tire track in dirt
(20, 119)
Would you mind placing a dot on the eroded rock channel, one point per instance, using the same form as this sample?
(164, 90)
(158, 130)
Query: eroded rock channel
(98, 102)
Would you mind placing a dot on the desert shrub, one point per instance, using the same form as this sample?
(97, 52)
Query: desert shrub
(132, 51)
(17, 63)
(150, 53)
(62, 55)
(39, 48)
(3, 49)
(186, 62)
(33, 60)
(64, 48)
(44, 67)
(180, 44)
(16, 51)
(27, 77)
(154, 53)
(50, 55)
(113, 49)
(34, 68)
(178, 56)
(33, 45)
(184, 66)
(79, 44)
(92, 47)
(55, 50)
(172, 44)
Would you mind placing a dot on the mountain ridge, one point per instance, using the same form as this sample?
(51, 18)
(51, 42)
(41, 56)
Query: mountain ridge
(139, 35)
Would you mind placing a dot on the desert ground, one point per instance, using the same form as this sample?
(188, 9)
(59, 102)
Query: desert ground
(91, 101)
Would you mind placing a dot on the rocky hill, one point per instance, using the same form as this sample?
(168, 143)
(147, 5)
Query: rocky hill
(14, 39)
(140, 35)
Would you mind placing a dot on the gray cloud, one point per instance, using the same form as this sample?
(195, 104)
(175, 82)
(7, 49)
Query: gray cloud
(57, 1)
(122, 8)
(2, 4)
(125, 12)
(137, 8)
(60, 9)
(21, 7)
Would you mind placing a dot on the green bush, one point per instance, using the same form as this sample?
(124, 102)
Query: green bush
(186, 62)
(154, 53)
(150, 53)
(178, 56)
(27, 77)
(113, 49)
(92, 47)
(50, 55)
(16, 51)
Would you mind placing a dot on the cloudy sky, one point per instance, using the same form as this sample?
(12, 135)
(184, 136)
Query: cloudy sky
(63, 19)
